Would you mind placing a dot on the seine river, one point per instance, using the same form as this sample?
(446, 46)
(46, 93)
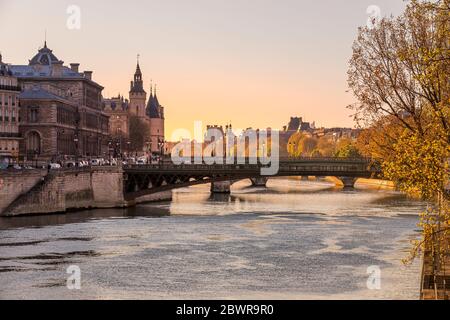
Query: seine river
(293, 240)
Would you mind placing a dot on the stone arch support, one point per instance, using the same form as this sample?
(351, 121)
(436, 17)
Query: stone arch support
(348, 182)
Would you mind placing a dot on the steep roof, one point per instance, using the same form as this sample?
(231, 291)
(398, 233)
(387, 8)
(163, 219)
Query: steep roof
(22, 71)
(38, 93)
(42, 66)
(45, 57)
(137, 86)
(5, 70)
(153, 109)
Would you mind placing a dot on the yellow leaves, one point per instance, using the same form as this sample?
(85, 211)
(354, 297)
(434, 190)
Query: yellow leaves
(419, 165)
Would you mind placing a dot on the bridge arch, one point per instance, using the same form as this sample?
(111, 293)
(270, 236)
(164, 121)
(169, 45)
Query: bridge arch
(144, 180)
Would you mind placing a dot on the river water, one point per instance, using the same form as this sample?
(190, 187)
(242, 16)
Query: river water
(293, 240)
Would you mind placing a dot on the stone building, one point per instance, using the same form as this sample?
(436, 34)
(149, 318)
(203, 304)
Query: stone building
(9, 114)
(151, 112)
(117, 109)
(61, 110)
(155, 116)
(138, 96)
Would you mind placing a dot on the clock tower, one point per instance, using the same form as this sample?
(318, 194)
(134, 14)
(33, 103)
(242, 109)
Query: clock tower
(138, 96)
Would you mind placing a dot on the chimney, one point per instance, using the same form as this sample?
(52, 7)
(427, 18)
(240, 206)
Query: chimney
(88, 75)
(57, 69)
(74, 67)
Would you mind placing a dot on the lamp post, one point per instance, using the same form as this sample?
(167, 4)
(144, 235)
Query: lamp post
(35, 158)
(75, 140)
(149, 150)
(109, 150)
(161, 148)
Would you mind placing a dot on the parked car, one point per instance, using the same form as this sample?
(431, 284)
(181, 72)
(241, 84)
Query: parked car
(141, 162)
(71, 164)
(54, 166)
(95, 162)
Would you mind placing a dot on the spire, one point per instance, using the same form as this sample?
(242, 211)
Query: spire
(155, 97)
(153, 107)
(137, 84)
(45, 39)
(138, 68)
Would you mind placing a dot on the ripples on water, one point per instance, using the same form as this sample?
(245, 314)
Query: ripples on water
(293, 240)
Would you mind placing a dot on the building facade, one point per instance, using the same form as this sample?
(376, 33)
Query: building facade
(155, 116)
(148, 111)
(9, 115)
(61, 110)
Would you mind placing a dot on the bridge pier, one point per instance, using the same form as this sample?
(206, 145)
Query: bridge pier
(259, 182)
(348, 182)
(223, 187)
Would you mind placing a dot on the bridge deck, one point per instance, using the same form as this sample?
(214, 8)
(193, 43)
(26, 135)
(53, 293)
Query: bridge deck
(146, 179)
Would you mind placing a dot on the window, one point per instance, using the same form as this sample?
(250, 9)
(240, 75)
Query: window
(33, 115)
(33, 144)
(66, 115)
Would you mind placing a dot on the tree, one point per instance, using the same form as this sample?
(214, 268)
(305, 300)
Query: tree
(399, 72)
(301, 145)
(139, 133)
(345, 148)
(401, 67)
(326, 146)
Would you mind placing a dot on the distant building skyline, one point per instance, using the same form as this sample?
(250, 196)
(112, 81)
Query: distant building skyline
(255, 63)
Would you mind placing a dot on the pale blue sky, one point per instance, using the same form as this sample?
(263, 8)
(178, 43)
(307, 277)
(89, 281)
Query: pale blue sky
(255, 62)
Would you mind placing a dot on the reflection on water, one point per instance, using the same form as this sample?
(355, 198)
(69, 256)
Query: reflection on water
(295, 239)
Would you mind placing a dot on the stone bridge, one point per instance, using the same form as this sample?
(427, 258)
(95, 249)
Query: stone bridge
(140, 180)
(40, 192)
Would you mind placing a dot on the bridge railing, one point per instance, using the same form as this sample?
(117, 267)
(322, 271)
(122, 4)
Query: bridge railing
(256, 161)
(297, 164)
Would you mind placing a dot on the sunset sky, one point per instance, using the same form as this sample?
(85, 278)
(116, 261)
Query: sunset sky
(252, 62)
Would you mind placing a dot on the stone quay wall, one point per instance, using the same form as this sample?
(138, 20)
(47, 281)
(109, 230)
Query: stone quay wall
(40, 192)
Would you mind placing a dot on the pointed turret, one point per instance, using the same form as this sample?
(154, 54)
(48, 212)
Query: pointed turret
(137, 86)
(154, 109)
(138, 96)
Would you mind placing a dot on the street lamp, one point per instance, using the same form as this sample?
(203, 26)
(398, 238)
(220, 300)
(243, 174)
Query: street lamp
(75, 140)
(118, 150)
(148, 143)
(35, 157)
(161, 143)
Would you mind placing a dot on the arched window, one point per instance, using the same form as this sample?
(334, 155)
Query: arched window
(33, 143)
